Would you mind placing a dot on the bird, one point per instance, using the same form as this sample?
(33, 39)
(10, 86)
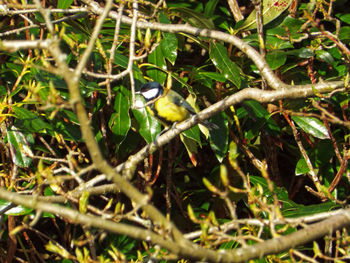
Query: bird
(169, 107)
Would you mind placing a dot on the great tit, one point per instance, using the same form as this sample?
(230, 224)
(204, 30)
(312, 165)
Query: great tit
(169, 107)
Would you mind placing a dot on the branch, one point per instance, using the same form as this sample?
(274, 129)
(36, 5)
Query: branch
(272, 80)
(189, 250)
(262, 96)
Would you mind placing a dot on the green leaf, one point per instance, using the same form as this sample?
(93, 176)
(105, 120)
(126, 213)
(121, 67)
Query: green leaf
(271, 9)
(67, 129)
(157, 58)
(209, 9)
(64, 4)
(219, 137)
(191, 147)
(276, 59)
(301, 53)
(261, 117)
(149, 126)
(221, 60)
(194, 134)
(344, 34)
(169, 47)
(312, 126)
(14, 211)
(305, 210)
(169, 43)
(301, 167)
(30, 121)
(120, 121)
(194, 18)
(213, 75)
(123, 61)
(344, 17)
(273, 42)
(19, 147)
(324, 56)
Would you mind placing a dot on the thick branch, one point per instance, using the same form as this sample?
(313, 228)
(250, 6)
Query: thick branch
(194, 252)
(263, 96)
(254, 55)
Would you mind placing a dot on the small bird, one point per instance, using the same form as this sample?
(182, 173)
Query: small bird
(169, 108)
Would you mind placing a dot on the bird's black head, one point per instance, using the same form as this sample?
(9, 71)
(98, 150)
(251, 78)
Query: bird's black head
(151, 90)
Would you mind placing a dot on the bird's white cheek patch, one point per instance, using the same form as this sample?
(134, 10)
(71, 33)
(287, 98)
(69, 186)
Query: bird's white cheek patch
(150, 94)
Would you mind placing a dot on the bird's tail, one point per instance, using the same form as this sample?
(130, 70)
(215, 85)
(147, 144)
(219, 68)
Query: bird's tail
(209, 125)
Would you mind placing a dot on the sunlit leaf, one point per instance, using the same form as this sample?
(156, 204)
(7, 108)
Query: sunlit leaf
(301, 167)
(30, 121)
(193, 134)
(210, 7)
(261, 117)
(344, 17)
(63, 4)
(169, 43)
(312, 126)
(120, 120)
(219, 137)
(14, 210)
(194, 18)
(20, 148)
(276, 59)
(191, 147)
(344, 34)
(149, 126)
(271, 9)
(221, 60)
(157, 58)
(324, 56)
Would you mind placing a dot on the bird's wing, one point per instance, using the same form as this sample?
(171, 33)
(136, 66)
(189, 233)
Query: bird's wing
(181, 102)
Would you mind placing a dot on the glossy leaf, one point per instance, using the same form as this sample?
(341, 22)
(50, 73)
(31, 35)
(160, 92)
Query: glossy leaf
(120, 120)
(210, 7)
(64, 3)
(123, 61)
(312, 126)
(30, 121)
(280, 192)
(219, 137)
(324, 56)
(194, 134)
(149, 126)
(301, 167)
(221, 60)
(19, 147)
(301, 53)
(305, 210)
(276, 59)
(271, 9)
(261, 117)
(344, 34)
(213, 75)
(169, 43)
(191, 147)
(194, 18)
(345, 18)
(169, 47)
(15, 210)
(157, 58)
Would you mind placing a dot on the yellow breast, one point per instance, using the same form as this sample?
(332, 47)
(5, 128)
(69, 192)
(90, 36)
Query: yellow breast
(170, 112)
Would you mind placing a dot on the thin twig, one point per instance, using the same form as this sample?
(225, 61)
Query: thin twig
(112, 52)
(96, 31)
(132, 50)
